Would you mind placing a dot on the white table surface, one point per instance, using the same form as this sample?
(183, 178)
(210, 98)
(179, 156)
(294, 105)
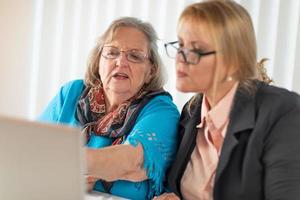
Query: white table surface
(101, 196)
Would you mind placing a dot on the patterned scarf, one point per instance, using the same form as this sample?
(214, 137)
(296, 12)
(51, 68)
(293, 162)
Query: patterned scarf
(92, 115)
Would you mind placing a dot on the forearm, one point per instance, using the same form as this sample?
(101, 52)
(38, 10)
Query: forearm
(119, 162)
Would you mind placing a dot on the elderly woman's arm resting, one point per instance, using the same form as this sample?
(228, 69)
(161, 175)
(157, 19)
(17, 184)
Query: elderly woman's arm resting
(119, 162)
(147, 151)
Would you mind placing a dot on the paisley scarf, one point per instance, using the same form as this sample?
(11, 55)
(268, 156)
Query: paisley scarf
(93, 116)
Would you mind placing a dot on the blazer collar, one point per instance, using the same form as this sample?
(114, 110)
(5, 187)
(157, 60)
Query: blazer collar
(242, 117)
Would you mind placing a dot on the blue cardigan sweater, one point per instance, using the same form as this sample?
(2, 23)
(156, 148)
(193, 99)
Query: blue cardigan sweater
(155, 129)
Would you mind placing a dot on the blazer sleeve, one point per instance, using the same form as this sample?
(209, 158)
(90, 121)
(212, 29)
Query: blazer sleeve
(281, 157)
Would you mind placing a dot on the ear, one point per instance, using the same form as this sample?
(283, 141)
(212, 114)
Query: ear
(153, 70)
(151, 73)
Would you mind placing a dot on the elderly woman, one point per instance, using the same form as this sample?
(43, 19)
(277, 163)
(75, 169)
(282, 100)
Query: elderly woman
(239, 137)
(119, 106)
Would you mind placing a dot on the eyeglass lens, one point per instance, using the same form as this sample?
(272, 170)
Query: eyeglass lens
(111, 52)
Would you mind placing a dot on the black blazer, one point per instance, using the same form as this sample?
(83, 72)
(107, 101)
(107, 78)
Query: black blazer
(260, 156)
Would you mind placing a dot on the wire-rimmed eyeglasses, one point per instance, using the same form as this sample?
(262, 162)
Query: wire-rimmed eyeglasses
(132, 55)
(190, 56)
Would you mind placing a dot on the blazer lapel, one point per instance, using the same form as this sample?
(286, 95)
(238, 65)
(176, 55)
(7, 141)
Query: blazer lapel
(186, 146)
(242, 117)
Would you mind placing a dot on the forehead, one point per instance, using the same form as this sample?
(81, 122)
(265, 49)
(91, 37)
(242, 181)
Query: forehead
(128, 38)
(194, 32)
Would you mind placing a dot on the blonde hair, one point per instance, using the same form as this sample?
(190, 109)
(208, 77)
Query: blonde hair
(233, 36)
(92, 74)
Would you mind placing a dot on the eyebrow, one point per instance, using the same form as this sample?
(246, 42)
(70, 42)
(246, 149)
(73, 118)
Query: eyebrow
(134, 48)
(196, 43)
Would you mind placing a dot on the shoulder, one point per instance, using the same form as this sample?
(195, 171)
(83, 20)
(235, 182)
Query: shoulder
(160, 107)
(74, 85)
(277, 98)
(72, 88)
(191, 108)
(161, 103)
(63, 104)
(276, 111)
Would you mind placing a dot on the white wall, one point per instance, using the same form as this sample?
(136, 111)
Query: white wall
(15, 41)
(45, 43)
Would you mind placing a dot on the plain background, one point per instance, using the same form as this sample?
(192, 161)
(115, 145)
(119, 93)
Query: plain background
(45, 43)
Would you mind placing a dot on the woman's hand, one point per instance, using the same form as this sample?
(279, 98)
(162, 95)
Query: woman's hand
(90, 181)
(167, 196)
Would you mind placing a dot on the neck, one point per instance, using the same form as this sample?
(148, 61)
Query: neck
(113, 100)
(222, 89)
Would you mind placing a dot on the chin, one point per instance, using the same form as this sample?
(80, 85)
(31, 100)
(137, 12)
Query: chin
(119, 90)
(182, 88)
(183, 85)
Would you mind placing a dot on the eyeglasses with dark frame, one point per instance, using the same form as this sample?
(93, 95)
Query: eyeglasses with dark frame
(190, 56)
(132, 55)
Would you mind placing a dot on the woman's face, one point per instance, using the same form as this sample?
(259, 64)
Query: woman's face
(121, 76)
(195, 77)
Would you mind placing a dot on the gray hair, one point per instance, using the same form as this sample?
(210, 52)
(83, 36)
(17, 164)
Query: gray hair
(92, 73)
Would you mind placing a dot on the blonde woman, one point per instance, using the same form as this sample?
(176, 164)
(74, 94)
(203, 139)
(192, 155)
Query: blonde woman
(239, 137)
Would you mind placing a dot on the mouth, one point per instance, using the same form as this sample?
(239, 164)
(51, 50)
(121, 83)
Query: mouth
(180, 74)
(120, 76)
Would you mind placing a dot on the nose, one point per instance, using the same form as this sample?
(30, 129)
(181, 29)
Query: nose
(121, 60)
(180, 57)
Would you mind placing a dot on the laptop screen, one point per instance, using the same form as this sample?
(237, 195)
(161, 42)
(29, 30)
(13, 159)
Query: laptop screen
(40, 161)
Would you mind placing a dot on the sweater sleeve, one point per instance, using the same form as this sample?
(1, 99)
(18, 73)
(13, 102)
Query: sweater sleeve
(156, 130)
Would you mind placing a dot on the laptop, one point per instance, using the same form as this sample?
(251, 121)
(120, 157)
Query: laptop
(40, 161)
